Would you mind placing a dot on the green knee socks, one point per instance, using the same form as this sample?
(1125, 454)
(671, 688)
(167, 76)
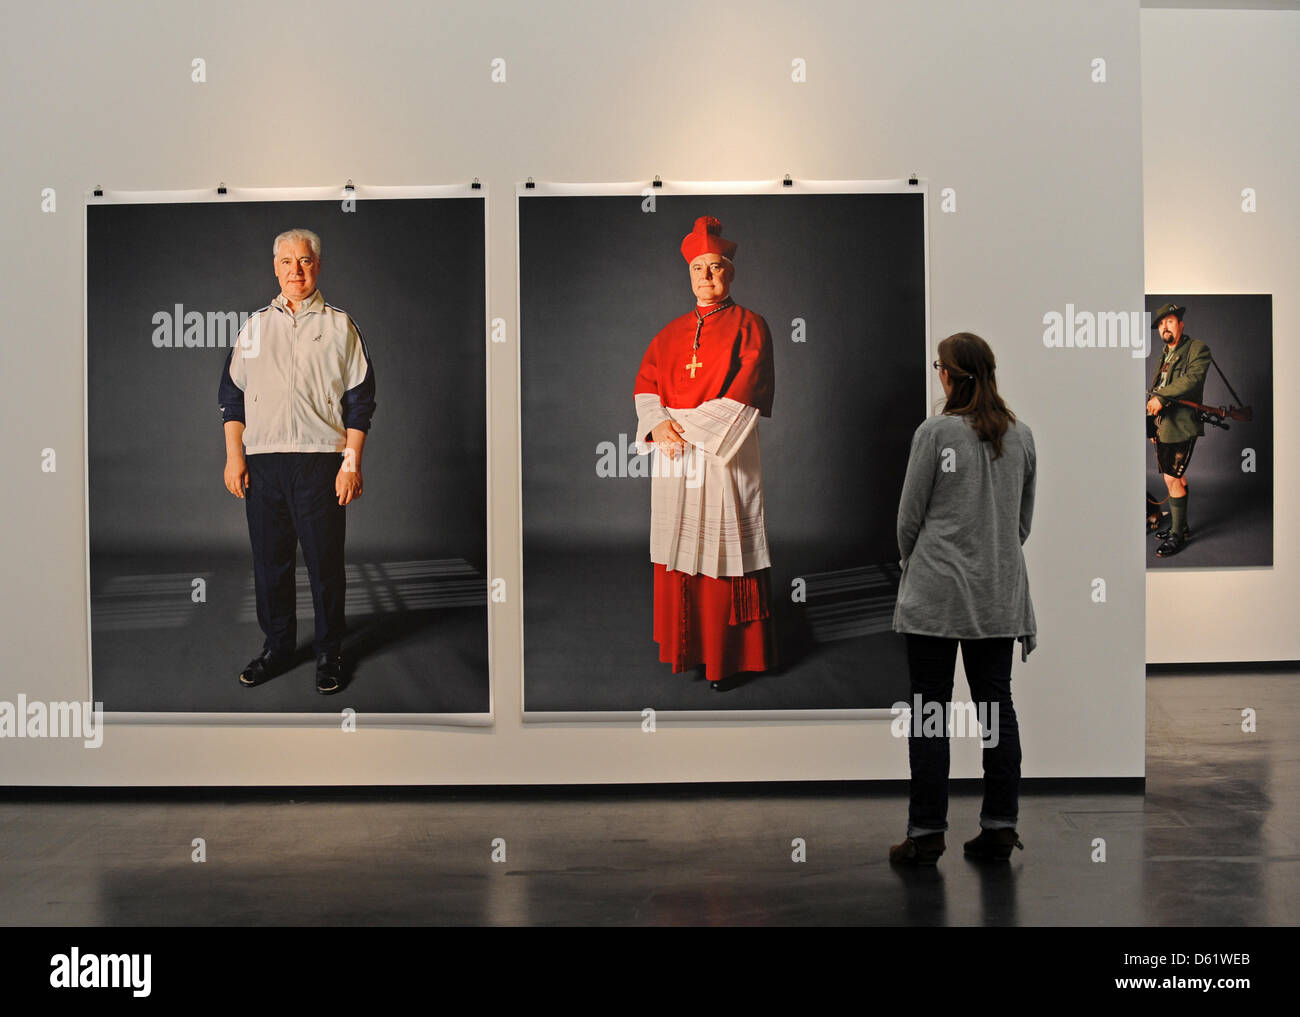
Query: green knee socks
(1178, 515)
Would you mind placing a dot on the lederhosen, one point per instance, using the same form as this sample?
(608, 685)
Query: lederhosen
(1174, 457)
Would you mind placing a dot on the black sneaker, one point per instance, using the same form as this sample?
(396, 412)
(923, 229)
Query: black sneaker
(329, 673)
(262, 668)
(1175, 543)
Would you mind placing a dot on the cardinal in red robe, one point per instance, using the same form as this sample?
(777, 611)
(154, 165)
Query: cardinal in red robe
(704, 381)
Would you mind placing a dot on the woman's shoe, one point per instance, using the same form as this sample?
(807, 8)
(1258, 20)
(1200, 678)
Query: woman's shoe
(993, 845)
(923, 850)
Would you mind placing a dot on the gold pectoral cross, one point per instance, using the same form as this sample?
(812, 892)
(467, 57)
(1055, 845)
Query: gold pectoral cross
(694, 365)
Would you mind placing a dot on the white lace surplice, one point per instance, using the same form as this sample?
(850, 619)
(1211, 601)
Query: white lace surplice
(706, 506)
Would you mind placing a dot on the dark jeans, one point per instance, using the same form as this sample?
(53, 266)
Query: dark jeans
(930, 664)
(291, 500)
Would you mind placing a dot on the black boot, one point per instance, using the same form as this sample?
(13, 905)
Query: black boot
(1174, 543)
(923, 850)
(993, 845)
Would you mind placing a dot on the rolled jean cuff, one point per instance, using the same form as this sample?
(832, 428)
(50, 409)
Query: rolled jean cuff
(992, 823)
(923, 831)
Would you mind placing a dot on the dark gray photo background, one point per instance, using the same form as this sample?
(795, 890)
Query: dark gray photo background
(410, 272)
(1230, 512)
(598, 279)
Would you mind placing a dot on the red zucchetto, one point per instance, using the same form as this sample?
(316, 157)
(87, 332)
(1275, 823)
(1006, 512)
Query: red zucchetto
(706, 238)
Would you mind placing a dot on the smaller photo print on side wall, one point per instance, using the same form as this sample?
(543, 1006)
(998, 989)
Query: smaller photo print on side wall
(1210, 431)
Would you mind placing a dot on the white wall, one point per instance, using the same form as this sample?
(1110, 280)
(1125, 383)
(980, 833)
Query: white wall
(1219, 114)
(994, 100)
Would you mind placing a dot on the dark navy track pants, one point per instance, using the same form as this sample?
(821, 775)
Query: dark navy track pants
(291, 501)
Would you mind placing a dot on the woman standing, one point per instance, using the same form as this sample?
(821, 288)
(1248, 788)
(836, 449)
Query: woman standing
(966, 507)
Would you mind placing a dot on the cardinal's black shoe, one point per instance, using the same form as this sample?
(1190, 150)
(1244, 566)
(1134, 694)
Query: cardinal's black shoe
(993, 845)
(1172, 545)
(329, 673)
(1167, 528)
(262, 668)
(923, 850)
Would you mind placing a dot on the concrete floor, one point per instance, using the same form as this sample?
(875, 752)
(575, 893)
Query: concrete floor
(1214, 840)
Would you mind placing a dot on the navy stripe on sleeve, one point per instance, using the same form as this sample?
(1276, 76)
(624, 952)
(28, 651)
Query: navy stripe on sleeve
(358, 403)
(230, 397)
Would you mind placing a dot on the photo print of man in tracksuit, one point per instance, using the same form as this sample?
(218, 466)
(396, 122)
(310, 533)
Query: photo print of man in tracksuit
(297, 393)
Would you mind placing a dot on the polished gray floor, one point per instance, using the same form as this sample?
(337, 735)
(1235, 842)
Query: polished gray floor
(1214, 840)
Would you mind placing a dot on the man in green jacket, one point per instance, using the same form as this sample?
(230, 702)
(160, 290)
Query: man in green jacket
(1180, 374)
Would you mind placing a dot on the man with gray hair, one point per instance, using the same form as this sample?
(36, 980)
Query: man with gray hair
(297, 393)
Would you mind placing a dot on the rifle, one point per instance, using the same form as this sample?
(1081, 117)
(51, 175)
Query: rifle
(1215, 415)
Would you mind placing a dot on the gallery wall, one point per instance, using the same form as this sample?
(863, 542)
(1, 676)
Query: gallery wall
(1219, 115)
(1022, 118)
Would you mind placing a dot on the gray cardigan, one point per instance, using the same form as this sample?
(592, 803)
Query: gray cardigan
(962, 519)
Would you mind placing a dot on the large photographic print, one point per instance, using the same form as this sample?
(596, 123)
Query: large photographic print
(286, 453)
(718, 396)
(1210, 431)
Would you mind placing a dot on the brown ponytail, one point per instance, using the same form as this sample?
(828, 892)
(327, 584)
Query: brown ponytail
(970, 363)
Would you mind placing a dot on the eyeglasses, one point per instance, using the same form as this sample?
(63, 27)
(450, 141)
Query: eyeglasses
(939, 365)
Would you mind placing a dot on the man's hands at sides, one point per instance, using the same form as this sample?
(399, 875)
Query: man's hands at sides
(667, 435)
(236, 464)
(347, 484)
(236, 475)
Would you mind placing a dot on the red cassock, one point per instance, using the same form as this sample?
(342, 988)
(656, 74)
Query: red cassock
(723, 623)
